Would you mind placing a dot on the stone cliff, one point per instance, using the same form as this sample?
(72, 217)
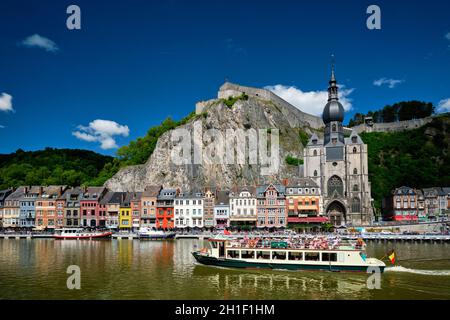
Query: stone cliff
(236, 108)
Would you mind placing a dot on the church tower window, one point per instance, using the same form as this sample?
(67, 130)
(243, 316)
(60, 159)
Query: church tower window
(355, 171)
(356, 205)
(315, 153)
(315, 173)
(355, 187)
(355, 150)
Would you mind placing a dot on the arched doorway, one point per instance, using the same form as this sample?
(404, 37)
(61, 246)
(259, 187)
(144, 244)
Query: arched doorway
(336, 213)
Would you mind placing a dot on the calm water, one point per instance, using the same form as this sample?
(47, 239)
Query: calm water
(125, 269)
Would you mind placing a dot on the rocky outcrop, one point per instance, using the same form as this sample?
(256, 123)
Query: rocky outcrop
(248, 112)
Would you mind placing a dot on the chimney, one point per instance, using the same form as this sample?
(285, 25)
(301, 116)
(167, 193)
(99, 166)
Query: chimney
(25, 190)
(60, 190)
(41, 190)
(285, 182)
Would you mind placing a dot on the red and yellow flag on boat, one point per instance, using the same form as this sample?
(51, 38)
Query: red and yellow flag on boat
(226, 232)
(391, 256)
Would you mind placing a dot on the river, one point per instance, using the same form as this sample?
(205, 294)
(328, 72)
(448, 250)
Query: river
(132, 269)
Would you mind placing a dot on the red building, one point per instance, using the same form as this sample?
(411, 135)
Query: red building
(91, 209)
(165, 208)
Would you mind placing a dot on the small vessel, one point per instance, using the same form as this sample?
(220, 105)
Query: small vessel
(148, 233)
(79, 233)
(299, 253)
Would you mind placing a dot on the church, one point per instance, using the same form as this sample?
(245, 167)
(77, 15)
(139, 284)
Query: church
(338, 165)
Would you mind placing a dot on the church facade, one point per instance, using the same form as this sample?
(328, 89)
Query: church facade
(339, 167)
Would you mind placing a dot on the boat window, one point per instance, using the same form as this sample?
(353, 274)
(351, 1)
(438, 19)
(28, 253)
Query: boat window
(329, 256)
(248, 254)
(312, 256)
(279, 255)
(214, 245)
(295, 255)
(263, 255)
(232, 254)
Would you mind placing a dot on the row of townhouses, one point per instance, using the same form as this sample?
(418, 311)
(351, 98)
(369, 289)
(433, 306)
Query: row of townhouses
(272, 205)
(409, 204)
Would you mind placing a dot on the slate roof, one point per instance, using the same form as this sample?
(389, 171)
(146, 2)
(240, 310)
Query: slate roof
(151, 191)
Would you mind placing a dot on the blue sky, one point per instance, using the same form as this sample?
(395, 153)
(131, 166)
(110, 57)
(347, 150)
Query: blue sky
(134, 63)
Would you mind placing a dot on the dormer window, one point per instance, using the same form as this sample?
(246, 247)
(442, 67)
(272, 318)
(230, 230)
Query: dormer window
(333, 128)
(314, 141)
(354, 139)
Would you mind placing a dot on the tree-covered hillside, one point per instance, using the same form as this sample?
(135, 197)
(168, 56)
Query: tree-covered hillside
(50, 166)
(417, 158)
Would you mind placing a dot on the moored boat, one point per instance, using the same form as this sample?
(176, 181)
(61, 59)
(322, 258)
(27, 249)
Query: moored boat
(80, 233)
(299, 253)
(148, 233)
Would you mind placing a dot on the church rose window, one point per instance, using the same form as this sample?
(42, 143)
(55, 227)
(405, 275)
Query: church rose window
(335, 186)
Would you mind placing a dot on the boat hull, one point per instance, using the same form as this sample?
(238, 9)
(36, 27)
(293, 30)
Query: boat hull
(231, 263)
(83, 237)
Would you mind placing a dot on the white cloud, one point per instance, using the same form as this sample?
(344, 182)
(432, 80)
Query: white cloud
(391, 83)
(6, 102)
(444, 105)
(310, 101)
(2, 127)
(102, 131)
(40, 42)
(447, 36)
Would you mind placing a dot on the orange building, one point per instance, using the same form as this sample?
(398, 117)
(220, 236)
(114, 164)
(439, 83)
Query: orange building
(148, 206)
(164, 208)
(303, 202)
(48, 207)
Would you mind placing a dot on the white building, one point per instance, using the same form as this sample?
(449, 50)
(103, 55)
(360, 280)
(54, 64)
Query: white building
(188, 208)
(339, 167)
(243, 207)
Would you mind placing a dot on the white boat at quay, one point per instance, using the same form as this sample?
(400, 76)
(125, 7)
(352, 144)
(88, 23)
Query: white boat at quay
(149, 233)
(79, 234)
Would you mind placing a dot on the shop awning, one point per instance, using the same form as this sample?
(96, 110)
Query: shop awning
(308, 220)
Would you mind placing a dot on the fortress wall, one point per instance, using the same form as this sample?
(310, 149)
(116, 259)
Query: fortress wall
(393, 126)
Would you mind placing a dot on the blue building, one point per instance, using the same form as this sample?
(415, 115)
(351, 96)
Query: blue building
(27, 206)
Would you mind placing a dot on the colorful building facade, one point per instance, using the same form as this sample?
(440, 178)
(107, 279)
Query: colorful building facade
(303, 202)
(271, 206)
(165, 208)
(243, 207)
(148, 206)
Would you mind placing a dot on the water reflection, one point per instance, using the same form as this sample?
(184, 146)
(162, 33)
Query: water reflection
(132, 269)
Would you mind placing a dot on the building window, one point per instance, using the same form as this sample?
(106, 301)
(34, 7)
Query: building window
(333, 128)
(355, 150)
(355, 171)
(355, 187)
(354, 139)
(315, 173)
(356, 205)
(315, 153)
(335, 186)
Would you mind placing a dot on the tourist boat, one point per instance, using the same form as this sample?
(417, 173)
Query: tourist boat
(300, 253)
(80, 233)
(148, 233)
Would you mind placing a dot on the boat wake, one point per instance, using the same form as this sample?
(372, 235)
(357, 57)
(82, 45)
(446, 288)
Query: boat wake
(418, 271)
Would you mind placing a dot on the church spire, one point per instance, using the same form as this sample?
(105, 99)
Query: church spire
(332, 88)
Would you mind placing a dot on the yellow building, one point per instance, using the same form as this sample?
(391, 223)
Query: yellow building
(125, 217)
